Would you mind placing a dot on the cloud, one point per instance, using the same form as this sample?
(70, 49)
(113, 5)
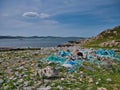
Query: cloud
(35, 14)
(44, 15)
(31, 14)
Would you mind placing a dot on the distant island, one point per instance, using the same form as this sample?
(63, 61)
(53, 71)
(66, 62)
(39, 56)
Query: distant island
(17, 37)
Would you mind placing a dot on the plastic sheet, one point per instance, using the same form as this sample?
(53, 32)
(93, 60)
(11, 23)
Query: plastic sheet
(62, 53)
(102, 53)
(107, 53)
(56, 59)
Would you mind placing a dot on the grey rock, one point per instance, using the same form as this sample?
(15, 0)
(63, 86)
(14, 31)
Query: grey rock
(44, 88)
(48, 72)
(89, 68)
(1, 81)
(107, 65)
(60, 87)
(27, 88)
(20, 68)
(26, 83)
(101, 88)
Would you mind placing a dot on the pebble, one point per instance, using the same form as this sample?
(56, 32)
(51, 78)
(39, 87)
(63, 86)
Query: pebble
(81, 72)
(99, 79)
(20, 68)
(101, 88)
(60, 87)
(96, 83)
(21, 80)
(27, 88)
(26, 83)
(90, 80)
(0, 61)
(108, 79)
(62, 79)
(44, 88)
(81, 79)
(1, 81)
(17, 73)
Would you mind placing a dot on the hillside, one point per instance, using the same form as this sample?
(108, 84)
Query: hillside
(109, 38)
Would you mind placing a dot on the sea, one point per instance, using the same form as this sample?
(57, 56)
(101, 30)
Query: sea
(35, 42)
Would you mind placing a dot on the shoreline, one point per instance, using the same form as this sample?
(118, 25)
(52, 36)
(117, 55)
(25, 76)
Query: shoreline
(17, 49)
(22, 68)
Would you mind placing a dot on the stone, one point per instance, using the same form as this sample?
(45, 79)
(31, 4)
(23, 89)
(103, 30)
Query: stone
(96, 83)
(48, 72)
(26, 83)
(99, 79)
(60, 87)
(20, 80)
(101, 88)
(90, 80)
(62, 79)
(17, 73)
(1, 61)
(44, 88)
(89, 68)
(81, 79)
(20, 68)
(81, 72)
(27, 88)
(107, 65)
(1, 81)
(108, 79)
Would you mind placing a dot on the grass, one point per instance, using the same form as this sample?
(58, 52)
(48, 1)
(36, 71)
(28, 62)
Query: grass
(105, 37)
(97, 75)
(66, 80)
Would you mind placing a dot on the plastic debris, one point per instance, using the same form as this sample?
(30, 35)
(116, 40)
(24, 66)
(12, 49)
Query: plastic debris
(65, 58)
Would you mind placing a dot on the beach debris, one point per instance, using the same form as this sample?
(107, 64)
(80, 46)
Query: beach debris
(75, 58)
(67, 65)
(48, 72)
(24, 70)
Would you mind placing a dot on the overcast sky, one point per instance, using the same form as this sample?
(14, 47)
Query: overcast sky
(81, 18)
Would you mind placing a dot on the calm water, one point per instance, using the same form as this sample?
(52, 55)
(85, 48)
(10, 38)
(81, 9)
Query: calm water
(34, 42)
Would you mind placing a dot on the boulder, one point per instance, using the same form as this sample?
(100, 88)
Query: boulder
(112, 43)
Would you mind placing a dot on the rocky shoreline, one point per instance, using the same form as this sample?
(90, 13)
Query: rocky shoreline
(41, 68)
(23, 69)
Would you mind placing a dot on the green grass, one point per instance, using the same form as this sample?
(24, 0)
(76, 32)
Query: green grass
(105, 37)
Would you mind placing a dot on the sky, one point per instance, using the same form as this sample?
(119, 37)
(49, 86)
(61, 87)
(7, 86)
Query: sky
(80, 18)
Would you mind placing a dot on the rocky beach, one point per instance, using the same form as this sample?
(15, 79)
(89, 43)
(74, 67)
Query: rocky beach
(85, 64)
(59, 44)
(26, 70)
